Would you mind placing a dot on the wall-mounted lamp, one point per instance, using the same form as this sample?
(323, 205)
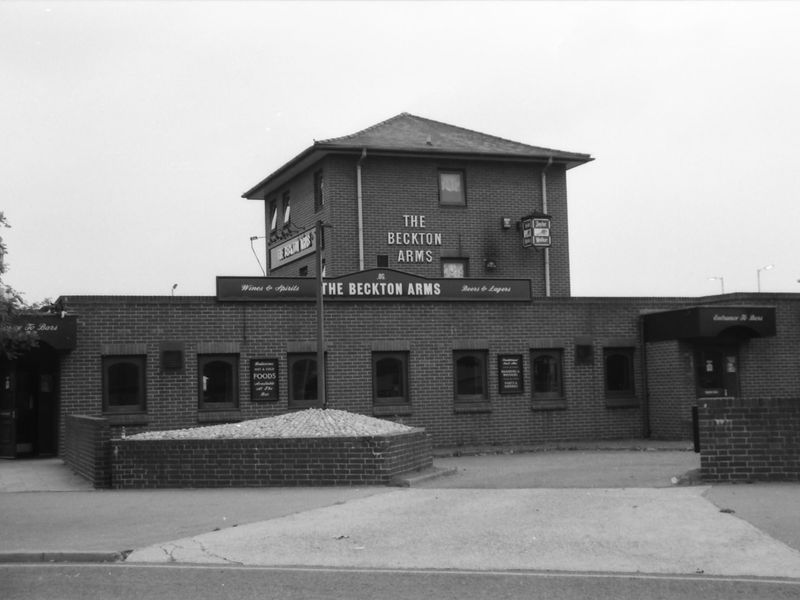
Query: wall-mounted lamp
(506, 222)
(490, 264)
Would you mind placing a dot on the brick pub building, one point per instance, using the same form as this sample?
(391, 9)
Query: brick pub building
(447, 306)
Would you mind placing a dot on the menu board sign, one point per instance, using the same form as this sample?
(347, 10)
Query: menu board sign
(264, 379)
(509, 373)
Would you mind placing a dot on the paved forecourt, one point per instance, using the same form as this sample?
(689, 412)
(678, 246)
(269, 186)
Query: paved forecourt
(598, 530)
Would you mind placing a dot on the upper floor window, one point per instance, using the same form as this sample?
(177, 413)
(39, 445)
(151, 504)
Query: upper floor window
(273, 215)
(454, 267)
(219, 381)
(319, 189)
(123, 384)
(451, 188)
(618, 363)
(287, 209)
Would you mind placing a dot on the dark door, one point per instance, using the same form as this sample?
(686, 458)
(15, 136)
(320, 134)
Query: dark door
(8, 420)
(717, 371)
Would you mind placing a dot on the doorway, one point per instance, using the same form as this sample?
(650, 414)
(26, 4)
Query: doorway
(29, 404)
(717, 370)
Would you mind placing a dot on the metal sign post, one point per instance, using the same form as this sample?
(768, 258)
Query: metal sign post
(320, 324)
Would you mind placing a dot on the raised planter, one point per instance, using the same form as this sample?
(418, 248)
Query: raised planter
(260, 462)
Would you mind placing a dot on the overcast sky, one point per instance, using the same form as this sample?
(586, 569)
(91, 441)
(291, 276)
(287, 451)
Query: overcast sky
(129, 131)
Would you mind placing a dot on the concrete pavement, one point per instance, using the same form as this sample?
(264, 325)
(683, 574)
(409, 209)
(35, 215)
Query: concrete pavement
(509, 511)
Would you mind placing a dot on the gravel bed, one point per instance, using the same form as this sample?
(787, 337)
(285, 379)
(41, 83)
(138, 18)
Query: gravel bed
(311, 423)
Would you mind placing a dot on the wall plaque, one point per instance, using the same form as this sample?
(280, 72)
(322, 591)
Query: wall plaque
(509, 374)
(264, 379)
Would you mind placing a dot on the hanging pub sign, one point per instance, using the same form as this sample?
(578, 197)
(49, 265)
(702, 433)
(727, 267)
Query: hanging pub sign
(536, 231)
(509, 373)
(290, 250)
(373, 284)
(264, 380)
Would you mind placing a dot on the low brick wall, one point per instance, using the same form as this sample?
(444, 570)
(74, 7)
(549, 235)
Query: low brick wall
(87, 448)
(745, 439)
(373, 460)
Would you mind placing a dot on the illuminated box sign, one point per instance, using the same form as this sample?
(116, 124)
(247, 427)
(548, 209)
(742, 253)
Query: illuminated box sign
(536, 232)
(297, 247)
(373, 284)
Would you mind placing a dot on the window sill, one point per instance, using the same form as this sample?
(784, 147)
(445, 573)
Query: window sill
(625, 402)
(560, 404)
(472, 407)
(127, 419)
(391, 410)
(218, 416)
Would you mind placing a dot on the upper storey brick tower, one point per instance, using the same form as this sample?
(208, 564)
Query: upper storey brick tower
(420, 196)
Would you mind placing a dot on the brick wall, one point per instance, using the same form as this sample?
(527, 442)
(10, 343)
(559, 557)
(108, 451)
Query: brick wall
(670, 379)
(750, 439)
(392, 188)
(371, 460)
(430, 331)
(87, 448)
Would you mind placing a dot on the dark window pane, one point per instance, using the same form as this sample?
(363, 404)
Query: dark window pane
(619, 372)
(546, 377)
(470, 375)
(304, 379)
(218, 378)
(124, 384)
(389, 380)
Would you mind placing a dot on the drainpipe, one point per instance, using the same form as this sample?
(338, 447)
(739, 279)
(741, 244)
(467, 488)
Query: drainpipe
(544, 210)
(360, 199)
(645, 385)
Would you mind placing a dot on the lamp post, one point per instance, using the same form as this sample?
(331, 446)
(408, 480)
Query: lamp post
(758, 274)
(253, 238)
(721, 282)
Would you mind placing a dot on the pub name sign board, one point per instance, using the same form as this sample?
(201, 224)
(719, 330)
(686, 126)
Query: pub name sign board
(372, 284)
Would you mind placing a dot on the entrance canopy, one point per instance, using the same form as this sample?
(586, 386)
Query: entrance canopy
(58, 332)
(710, 322)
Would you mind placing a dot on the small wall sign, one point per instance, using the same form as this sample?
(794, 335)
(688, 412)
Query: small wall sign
(264, 379)
(536, 231)
(509, 374)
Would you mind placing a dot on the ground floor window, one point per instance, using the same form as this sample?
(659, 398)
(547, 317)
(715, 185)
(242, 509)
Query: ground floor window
(546, 368)
(390, 377)
(618, 368)
(303, 391)
(469, 367)
(219, 381)
(124, 384)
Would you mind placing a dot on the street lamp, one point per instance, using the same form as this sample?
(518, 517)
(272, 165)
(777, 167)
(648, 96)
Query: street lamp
(758, 274)
(721, 282)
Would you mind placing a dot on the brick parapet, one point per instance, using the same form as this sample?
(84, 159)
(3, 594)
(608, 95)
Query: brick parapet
(750, 439)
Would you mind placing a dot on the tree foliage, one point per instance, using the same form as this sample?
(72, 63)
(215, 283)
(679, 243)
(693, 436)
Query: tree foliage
(14, 339)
